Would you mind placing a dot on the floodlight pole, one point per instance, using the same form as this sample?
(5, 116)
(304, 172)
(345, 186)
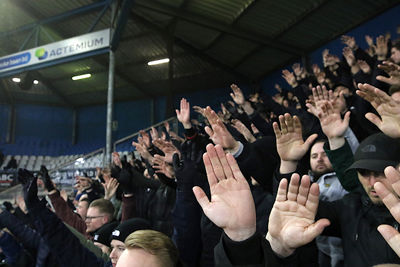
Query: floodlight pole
(110, 93)
(110, 107)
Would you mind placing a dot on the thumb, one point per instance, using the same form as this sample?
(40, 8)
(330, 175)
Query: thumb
(310, 140)
(209, 131)
(316, 229)
(201, 197)
(346, 118)
(374, 119)
(391, 236)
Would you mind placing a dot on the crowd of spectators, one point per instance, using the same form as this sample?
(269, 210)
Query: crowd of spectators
(307, 177)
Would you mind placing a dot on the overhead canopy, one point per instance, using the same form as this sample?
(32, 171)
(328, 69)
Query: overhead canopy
(214, 43)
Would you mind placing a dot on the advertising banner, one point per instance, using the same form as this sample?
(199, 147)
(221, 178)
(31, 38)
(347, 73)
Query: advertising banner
(7, 178)
(67, 177)
(65, 48)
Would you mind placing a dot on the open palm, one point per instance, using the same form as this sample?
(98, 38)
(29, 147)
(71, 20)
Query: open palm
(232, 205)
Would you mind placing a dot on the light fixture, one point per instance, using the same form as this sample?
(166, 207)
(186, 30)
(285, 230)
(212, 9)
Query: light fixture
(35, 82)
(156, 62)
(83, 76)
(16, 79)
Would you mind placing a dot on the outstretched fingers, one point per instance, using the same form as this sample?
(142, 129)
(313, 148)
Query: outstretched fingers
(281, 195)
(237, 173)
(303, 190)
(201, 197)
(313, 198)
(293, 187)
(391, 236)
(211, 177)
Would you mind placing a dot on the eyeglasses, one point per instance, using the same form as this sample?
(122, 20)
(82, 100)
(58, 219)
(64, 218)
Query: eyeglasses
(89, 218)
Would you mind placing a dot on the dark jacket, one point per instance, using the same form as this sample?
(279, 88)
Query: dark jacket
(355, 219)
(62, 243)
(67, 215)
(29, 238)
(253, 252)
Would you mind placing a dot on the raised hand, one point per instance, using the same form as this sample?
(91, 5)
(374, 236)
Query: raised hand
(239, 99)
(183, 114)
(237, 95)
(176, 137)
(199, 110)
(331, 122)
(218, 132)
(48, 183)
(243, 130)
(30, 188)
(349, 56)
(393, 70)
(364, 66)
(387, 108)
(154, 133)
(167, 148)
(232, 206)
(142, 149)
(110, 188)
(332, 125)
(369, 40)
(144, 138)
(289, 140)
(389, 193)
(290, 78)
(316, 69)
(161, 166)
(349, 41)
(381, 47)
(292, 219)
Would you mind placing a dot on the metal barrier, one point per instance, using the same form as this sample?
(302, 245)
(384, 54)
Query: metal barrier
(127, 141)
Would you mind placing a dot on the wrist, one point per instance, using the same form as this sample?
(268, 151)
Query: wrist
(233, 149)
(287, 166)
(336, 142)
(381, 58)
(248, 108)
(187, 125)
(278, 247)
(240, 235)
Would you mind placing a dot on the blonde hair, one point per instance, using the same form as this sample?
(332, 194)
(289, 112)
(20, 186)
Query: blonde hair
(155, 243)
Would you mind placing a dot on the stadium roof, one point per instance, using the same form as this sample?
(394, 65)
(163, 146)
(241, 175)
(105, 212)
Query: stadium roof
(210, 43)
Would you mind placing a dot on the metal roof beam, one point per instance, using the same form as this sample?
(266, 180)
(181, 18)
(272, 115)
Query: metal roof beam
(217, 26)
(57, 18)
(189, 48)
(301, 18)
(235, 21)
(123, 15)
